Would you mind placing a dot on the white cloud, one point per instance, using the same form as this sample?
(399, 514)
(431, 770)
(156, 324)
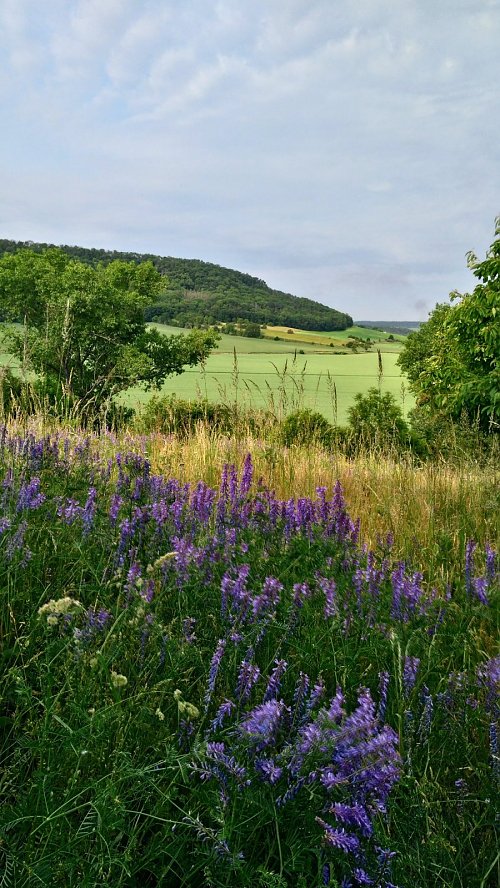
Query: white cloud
(321, 144)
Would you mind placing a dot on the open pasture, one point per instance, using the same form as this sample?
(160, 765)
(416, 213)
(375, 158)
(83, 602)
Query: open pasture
(263, 373)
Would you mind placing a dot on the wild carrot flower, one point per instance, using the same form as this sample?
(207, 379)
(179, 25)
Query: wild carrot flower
(118, 680)
(59, 607)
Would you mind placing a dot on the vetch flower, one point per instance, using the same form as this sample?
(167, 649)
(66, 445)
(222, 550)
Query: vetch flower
(261, 723)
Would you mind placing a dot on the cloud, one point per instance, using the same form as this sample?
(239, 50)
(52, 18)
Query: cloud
(343, 150)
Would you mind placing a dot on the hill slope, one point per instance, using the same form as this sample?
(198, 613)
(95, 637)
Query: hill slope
(199, 292)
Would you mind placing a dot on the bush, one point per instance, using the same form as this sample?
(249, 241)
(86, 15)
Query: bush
(171, 415)
(375, 419)
(174, 415)
(12, 392)
(441, 436)
(306, 427)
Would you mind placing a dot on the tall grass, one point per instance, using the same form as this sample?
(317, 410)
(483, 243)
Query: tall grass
(214, 675)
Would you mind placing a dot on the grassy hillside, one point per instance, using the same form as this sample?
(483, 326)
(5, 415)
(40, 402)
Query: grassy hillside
(198, 293)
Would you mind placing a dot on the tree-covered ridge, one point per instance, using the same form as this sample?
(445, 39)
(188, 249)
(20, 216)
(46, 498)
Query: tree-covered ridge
(198, 292)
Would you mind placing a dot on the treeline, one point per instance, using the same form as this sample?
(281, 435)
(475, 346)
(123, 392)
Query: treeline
(401, 328)
(201, 293)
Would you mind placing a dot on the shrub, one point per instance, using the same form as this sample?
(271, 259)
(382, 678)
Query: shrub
(376, 419)
(174, 415)
(306, 427)
(171, 415)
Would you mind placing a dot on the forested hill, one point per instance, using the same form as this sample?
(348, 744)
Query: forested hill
(199, 292)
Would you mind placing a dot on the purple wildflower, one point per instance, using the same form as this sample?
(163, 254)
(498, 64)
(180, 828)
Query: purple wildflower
(339, 838)
(269, 597)
(410, 670)
(247, 476)
(274, 683)
(480, 587)
(222, 713)
(291, 793)
(5, 523)
(489, 678)
(300, 697)
(217, 753)
(328, 587)
(115, 506)
(16, 543)
(267, 770)
(30, 496)
(248, 675)
(353, 816)
(214, 669)
(362, 877)
(301, 591)
(261, 723)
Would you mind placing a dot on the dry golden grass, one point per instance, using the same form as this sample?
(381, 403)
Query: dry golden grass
(431, 509)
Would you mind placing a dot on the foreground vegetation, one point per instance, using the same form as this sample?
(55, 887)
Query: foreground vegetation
(243, 647)
(207, 681)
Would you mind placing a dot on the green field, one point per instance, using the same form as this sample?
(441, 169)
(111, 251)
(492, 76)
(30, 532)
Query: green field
(299, 370)
(267, 372)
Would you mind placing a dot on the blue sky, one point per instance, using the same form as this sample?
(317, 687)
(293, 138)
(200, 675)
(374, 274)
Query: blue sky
(344, 150)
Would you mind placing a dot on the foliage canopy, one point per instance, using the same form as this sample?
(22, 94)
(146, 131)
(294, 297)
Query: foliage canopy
(83, 329)
(452, 361)
(196, 293)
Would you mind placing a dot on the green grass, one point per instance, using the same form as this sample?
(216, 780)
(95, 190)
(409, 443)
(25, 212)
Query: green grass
(108, 699)
(274, 373)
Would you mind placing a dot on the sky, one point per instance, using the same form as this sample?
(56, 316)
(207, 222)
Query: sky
(343, 150)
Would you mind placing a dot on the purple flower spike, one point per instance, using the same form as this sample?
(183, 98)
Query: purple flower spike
(268, 771)
(247, 476)
(248, 675)
(30, 496)
(214, 669)
(410, 673)
(328, 587)
(262, 723)
(223, 711)
(338, 838)
(274, 683)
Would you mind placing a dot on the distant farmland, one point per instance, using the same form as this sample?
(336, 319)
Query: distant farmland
(300, 369)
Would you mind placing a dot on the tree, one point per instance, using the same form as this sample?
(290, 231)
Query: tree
(452, 361)
(83, 330)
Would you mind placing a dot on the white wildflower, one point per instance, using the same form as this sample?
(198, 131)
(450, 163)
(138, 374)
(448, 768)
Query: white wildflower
(117, 680)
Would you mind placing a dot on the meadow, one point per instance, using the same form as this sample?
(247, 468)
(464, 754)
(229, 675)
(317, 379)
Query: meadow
(299, 370)
(229, 663)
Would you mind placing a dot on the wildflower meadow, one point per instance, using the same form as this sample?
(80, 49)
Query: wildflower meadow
(213, 685)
